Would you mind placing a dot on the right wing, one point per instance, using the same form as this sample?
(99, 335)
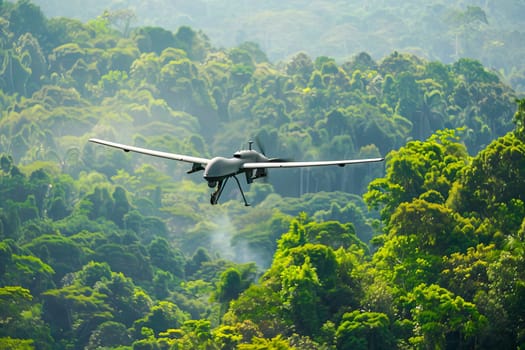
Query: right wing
(257, 165)
(174, 156)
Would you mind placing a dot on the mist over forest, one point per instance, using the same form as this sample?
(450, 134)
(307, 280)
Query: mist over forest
(104, 249)
(442, 30)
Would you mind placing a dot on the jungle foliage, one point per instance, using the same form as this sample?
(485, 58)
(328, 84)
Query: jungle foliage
(440, 30)
(102, 249)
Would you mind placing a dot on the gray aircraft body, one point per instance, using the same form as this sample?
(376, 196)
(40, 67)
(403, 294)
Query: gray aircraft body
(218, 170)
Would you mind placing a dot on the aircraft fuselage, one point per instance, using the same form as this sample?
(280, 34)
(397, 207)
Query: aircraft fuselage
(219, 167)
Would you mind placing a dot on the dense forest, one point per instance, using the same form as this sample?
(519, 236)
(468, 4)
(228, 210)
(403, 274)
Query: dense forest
(438, 30)
(102, 249)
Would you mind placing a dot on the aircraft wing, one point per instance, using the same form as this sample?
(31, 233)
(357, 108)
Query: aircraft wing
(308, 164)
(126, 148)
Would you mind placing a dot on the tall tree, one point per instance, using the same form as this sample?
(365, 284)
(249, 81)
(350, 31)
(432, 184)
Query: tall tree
(417, 168)
(491, 185)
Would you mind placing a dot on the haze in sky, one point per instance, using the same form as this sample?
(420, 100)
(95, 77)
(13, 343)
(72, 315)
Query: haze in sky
(443, 30)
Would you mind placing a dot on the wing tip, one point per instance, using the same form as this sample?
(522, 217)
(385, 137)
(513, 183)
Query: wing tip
(95, 140)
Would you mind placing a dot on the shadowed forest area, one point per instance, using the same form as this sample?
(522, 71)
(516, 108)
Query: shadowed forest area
(101, 249)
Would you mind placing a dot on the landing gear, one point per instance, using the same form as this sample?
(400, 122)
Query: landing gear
(214, 199)
(242, 193)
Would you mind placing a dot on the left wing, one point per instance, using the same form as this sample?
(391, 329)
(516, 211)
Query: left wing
(308, 164)
(174, 156)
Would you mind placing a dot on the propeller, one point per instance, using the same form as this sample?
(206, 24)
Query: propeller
(260, 146)
(262, 149)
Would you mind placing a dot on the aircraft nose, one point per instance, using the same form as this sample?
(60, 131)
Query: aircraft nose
(220, 168)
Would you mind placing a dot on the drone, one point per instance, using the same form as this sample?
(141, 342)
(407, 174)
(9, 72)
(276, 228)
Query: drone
(218, 170)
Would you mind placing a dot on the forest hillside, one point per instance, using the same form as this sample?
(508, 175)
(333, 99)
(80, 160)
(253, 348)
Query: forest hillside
(438, 30)
(102, 249)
